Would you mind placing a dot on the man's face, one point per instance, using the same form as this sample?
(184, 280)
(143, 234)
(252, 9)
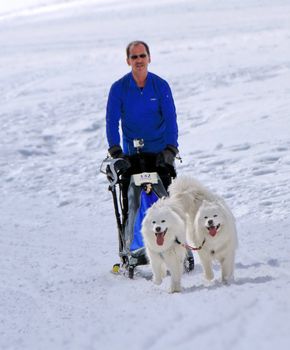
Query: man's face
(138, 59)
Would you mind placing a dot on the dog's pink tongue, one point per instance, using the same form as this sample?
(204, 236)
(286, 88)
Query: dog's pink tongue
(212, 231)
(160, 238)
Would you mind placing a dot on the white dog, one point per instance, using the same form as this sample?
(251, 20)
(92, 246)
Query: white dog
(210, 225)
(215, 226)
(163, 231)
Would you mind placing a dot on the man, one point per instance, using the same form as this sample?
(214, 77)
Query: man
(143, 103)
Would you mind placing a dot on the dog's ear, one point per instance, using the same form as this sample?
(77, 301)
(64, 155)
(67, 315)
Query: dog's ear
(177, 195)
(205, 202)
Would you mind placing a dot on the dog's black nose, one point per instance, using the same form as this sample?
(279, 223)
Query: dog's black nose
(158, 229)
(210, 222)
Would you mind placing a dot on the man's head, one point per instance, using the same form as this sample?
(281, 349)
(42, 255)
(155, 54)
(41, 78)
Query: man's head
(138, 56)
(134, 43)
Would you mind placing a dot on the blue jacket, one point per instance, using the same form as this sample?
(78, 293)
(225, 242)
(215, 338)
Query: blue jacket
(147, 114)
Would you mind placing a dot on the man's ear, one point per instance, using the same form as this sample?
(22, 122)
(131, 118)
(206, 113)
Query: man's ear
(128, 62)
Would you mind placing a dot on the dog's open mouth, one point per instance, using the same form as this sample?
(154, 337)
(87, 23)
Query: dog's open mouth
(212, 230)
(160, 237)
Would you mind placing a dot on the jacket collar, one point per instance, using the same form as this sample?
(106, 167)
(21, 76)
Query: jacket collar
(133, 82)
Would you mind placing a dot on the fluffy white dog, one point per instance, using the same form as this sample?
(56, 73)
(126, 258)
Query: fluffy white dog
(215, 226)
(210, 225)
(163, 231)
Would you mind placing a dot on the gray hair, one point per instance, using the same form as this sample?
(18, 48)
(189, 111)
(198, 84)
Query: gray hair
(134, 43)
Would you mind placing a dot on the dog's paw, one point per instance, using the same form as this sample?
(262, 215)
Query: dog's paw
(157, 281)
(228, 280)
(208, 283)
(174, 290)
(175, 287)
(209, 276)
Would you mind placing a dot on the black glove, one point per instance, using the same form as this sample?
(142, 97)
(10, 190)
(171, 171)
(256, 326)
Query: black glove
(116, 152)
(167, 156)
(121, 166)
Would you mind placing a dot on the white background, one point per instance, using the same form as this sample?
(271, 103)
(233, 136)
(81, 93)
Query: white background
(228, 63)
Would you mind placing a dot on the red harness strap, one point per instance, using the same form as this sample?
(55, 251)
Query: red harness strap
(193, 248)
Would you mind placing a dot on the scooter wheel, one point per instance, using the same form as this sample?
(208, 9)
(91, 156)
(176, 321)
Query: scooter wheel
(189, 264)
(116, 268)
(131, 272)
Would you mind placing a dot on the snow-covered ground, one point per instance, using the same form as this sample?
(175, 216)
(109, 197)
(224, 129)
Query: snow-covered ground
(228, 63)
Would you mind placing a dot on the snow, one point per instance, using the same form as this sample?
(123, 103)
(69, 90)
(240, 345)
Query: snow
(20, 8)
(228, 63)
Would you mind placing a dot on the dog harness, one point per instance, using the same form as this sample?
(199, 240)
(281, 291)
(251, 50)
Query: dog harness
(188, 246)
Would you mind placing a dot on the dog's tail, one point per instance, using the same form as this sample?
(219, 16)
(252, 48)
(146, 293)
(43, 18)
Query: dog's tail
(184, 185)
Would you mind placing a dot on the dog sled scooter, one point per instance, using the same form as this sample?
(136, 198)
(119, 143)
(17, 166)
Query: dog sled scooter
(135, 185)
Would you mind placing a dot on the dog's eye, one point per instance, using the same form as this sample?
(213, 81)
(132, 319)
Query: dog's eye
(162, 221)
(153, 222)
(206, 217)
(215, 216)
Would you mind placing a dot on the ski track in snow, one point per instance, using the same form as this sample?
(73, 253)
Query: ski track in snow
(228, 65)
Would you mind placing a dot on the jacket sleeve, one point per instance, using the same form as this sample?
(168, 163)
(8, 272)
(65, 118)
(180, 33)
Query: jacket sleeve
(113, 116)
(169, 114)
